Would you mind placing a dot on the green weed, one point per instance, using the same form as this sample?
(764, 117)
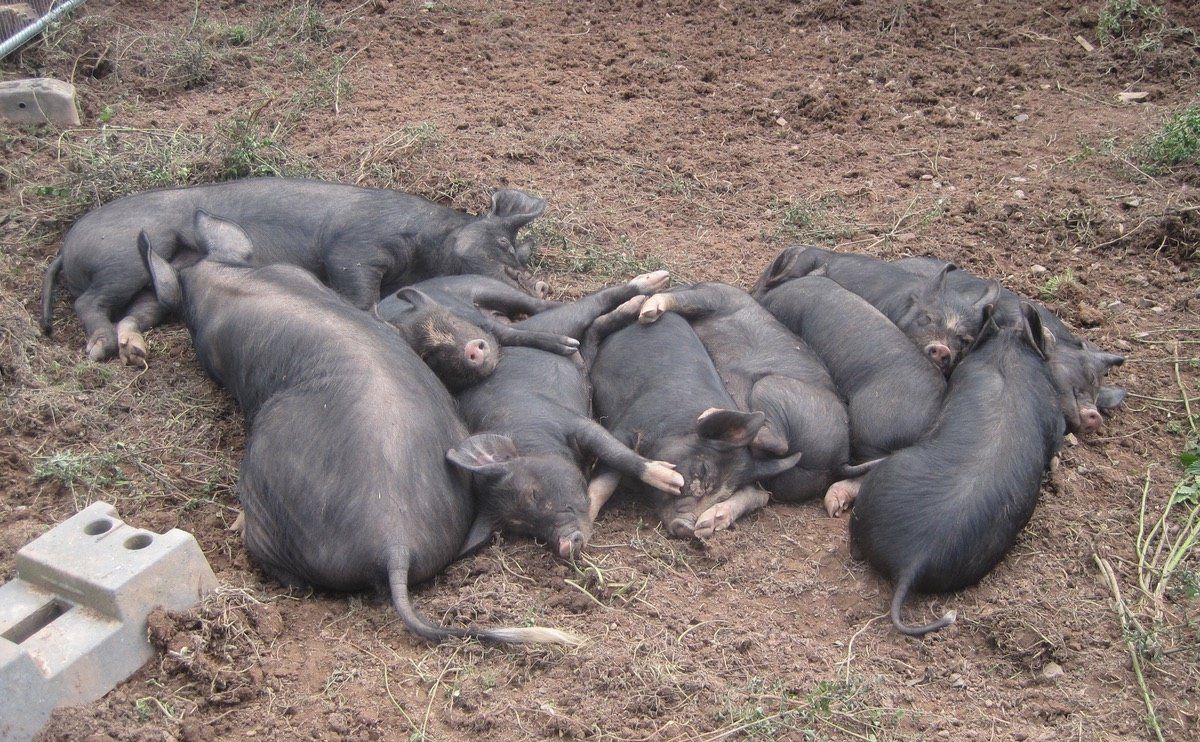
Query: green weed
(1056, 283)
(1176, 143)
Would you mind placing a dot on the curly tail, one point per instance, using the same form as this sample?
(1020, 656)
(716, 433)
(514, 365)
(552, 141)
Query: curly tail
(48, 281)
(903, 585)
(426, 629)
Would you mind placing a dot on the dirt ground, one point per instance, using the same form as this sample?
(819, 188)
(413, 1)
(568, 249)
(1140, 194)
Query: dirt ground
(700, 136)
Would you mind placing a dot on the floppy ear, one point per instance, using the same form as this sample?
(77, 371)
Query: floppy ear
(781, 269)
(990, 296)
(483, 528)
(516, 208)
(1110, 397)
(987, 326)
(418, 298)
(1032, 328)
(1107, 360)
(486, 454)
(163, 276)
(769, 441)
(731, 427)
(221, 239)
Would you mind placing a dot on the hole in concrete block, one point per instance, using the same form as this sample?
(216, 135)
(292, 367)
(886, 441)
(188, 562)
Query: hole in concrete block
(36, 621)
(97, 527)
(20, 105)
(140, 541)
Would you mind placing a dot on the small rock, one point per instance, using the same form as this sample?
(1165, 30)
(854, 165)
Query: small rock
(1052, 670)
(1115, 304)
(905, 237)
(1088, 315)
(781, 121)
(1035, 268)
(1157, 310)
(1019, 193)
(1122, 344)
(1071, 440)
(956, 681)
(1021, 118)
(926, 176)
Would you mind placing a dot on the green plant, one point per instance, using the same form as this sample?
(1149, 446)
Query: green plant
(1176, 143)
(1121, 19)
(1054, 284)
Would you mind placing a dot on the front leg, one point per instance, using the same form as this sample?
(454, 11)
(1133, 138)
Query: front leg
(617, 319)
(510, 301)
(547, 341)
(691, 303)
(590, 436)
(602, 487)
(724, 514)
(355, 274)
(574, 319)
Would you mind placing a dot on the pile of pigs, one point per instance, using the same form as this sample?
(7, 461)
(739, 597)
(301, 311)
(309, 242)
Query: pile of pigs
(389, 437)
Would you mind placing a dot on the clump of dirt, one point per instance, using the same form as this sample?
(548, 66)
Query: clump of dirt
(219, 645)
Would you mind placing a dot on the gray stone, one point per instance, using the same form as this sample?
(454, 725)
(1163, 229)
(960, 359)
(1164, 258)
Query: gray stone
(39, 100)
(73, 622)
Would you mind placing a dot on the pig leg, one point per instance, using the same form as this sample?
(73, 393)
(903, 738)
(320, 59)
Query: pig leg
(574, 319)
(602, 487)
(95, 312)
(510, 301)
(621, 317)
(615, 455)
(354, 275)
(723, 514)
(840, 496)
(144, 313)
(688, 303)
(547, 341)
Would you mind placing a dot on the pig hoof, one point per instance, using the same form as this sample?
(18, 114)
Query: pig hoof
(541, 290)
(716, 518)
(681, 526)
(648, 283)
(132, 349)
(661, 475)
(239, 524)
(840, 496)
(99, 349)
(653, 308)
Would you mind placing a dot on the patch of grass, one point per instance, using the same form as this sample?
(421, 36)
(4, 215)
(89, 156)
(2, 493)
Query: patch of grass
(1175, 144)
(559, 251)
(1124, 19)
(248, 147)
(1056, 283)
(79, 472)
(772, 710)
(805, 220)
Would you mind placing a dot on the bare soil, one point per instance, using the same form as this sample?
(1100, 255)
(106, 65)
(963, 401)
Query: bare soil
(701, 136)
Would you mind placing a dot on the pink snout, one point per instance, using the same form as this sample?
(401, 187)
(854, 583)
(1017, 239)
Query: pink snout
(477, 352)
(940, 354)
(569, 546)
(1090, 420)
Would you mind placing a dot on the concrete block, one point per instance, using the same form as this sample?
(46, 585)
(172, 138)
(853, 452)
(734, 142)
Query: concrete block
(73, 623)
(39, 100)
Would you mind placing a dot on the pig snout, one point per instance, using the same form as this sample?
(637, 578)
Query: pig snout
(1090, 420)
(478, 352)
(570, 545)
(940, 354)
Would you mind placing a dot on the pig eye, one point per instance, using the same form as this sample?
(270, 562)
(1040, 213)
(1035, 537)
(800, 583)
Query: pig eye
(925, 319)
(507, 246)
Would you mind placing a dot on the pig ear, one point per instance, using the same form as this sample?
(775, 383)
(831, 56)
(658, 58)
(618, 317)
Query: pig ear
(221, 239)
(516, 208)
(418, 298)
(1032, 327)
(482, 530)
(731, 427)
(937, 284)
(164, 277)
(488, 454)
(987, 326)
(1107, 360)
(769, 441)
(781, 269)
(990, 296)
(1110, 397)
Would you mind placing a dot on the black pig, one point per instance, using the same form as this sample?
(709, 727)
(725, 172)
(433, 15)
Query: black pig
(533, 429)
(658, 392)
(344, 481)
(767, 369)
(940, 515)
(357, 240)
(487, 303)
(1076, 364)
(941, 323)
